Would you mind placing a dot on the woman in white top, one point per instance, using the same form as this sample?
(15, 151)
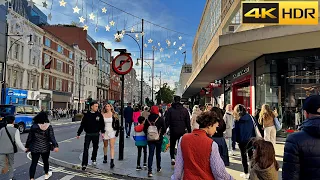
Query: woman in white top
(111, 121)
(195, 113)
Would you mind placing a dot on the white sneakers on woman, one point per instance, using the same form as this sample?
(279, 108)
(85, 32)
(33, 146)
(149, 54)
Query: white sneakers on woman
(47, 176)
(245, 176)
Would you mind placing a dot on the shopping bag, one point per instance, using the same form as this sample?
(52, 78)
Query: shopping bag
(5, 169)
(165, 144)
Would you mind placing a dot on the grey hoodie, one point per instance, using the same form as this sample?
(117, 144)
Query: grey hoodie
(257, 173)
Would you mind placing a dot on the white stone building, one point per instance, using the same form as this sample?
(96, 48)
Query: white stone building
(24, 61)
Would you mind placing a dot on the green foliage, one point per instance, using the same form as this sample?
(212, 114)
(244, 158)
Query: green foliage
(164, 94)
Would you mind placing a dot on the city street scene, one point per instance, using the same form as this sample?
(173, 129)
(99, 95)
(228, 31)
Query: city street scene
(161, 89)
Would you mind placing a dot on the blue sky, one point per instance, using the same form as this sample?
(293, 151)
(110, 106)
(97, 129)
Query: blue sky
(182, 16)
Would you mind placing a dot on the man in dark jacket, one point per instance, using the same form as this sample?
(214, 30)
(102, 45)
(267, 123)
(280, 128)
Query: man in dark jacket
(92, 123)
(128, 114)
(301, 158)
(178, 120)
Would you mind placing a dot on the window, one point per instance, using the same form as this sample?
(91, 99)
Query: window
(21, 56)
(70, 55)
(46, 59)
(60, 49)
(70, 69)
(16, 52)
(58, 84)
(28, 109)
(33, 82)
(86, 80)
(69, 86)
(47, 42)
(46, 81)
(59, 66)
(14, 78)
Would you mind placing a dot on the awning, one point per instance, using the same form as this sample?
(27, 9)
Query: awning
(237, 49)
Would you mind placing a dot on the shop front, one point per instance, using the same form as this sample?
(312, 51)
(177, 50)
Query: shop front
(33, 98)
(16, 96)
(45, 100)
(239, 87)
(61, 100)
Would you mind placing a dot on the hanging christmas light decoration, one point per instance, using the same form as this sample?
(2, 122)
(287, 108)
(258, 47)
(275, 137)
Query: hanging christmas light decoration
(85, 28)
(150, 41)
(168, 42)
(180, 48)
(104, 10)
(44, 4)
(107, 28)
(63, 3)
(132, 30)
(81, 19)
(76, 10)
(145, 45)
(112, 23)
(161, 49)
(91, 16)
(159, 44)
(180, 37)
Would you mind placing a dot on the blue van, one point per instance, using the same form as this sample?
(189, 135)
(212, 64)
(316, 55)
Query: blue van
(24, 114)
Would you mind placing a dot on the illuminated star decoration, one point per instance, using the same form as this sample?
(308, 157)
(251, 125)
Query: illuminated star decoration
(91, 16)
(107, 28)
(161, 49)
(142, 34)
(104, 10)
(159, 44)
(169, 56)
(112, 23)
(120, 35)
(183, 45)
(168, 42)
(145, 45)
(76, 10)
(180, 48)
(132, 30)
(31, 3)
(85, 28)
(81, 19)
(44, 4)
(174, 43)
(123, 32)
(180, 37)
(175, 52)
(116, 36)
(137, 36)
(63, 3)
(50, 16)
(150, 41)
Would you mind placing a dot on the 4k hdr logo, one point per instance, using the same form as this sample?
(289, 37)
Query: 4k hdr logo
(281, 12)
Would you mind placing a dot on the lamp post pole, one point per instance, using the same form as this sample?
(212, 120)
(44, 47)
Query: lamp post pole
(141, 100)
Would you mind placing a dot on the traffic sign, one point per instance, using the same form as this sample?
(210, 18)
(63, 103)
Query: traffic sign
(122, 64)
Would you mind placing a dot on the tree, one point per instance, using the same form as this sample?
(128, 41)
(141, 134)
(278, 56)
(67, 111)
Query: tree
(164, 94)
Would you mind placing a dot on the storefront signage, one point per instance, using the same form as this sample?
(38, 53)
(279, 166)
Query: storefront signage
(33, 95)
(17, 93)
(242, 72)
(216, 83)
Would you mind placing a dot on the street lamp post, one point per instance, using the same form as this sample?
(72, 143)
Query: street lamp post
(6, 58)
(152, 70)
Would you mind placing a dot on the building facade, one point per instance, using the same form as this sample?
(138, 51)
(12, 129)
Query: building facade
(3, 42)
(79, 81)
(23, 61)
(115, 87)
(130, 86)
(60, 77)
(185, 74)
(103, 66)
(258, 64)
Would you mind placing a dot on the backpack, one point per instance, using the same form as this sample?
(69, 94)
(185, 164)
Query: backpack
(152, 132)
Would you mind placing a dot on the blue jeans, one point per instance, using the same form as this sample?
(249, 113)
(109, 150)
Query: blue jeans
(154, 146)
(128, 126)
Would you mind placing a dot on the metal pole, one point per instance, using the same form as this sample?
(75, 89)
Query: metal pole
(160, 88)
(79, 89)
(152, 75)
(121, 140)
(141, 88)
(4, 70)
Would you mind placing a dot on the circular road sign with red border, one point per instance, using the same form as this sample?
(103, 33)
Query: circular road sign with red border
(122, 64)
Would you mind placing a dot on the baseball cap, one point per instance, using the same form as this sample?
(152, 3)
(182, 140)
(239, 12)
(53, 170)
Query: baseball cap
(154, 110)
(312, 104)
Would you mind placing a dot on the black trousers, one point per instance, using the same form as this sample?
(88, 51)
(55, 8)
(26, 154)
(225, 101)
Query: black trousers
(154, 147)
(35, 159)
(233, 139)
(245, 153)
(128, 126)
(95, 144)
(140, 148)
(173, 140)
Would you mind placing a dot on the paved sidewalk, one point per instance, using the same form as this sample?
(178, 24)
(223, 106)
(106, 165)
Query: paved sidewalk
(128, 165)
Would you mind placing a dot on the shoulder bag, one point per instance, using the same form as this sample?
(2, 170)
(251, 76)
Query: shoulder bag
(256, 129)
(15, 149)
(277, 124)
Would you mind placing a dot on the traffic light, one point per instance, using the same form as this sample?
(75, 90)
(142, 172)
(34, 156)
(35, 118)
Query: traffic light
(89, 100)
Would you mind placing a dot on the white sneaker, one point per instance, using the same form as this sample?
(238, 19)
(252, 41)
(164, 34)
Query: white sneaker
(47, 176)
(94, 163)
(245, 176)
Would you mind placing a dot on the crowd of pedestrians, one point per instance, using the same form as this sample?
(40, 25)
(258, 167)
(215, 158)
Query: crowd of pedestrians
(200, 143)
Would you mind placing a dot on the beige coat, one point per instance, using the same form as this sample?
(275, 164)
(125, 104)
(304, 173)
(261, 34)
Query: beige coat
(194, 124)
(263, 174)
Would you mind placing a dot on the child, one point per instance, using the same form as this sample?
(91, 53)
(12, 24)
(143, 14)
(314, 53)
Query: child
(141, 142)
(264, 165)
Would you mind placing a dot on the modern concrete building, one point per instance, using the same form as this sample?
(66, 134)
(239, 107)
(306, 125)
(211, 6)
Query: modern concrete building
(185, 74)
(253, 64)
(24, 61)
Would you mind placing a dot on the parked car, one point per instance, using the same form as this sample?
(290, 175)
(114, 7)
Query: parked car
(24, 115)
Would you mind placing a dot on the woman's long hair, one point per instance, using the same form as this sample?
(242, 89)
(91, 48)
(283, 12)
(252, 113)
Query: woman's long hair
(239, 111)
(264, 154)
(265, 113)
(114, 114)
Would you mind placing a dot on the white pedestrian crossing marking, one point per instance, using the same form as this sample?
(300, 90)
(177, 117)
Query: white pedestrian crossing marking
(68, 177)
(40, 178)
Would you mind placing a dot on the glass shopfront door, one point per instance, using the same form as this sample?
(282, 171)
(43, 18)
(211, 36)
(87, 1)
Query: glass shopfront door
(241, 94)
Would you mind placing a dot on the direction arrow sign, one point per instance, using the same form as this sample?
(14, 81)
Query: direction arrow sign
(122, 64)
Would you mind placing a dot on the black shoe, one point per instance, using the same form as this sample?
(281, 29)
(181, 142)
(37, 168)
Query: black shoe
(138, 168)
(127, 136)
(173, 162)
(145, 165)
(105, 159)
(158, 170)
(150, 174)
(94, 162)
(84, 168)
(111, 164)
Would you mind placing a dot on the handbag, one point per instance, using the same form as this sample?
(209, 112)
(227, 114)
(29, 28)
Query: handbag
(15, 149)
(277, 124)
(5, 169)
(256, 129)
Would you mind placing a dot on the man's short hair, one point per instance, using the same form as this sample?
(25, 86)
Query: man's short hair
(9, 119)
(177, 99)
(312, 105)
(93, 103)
